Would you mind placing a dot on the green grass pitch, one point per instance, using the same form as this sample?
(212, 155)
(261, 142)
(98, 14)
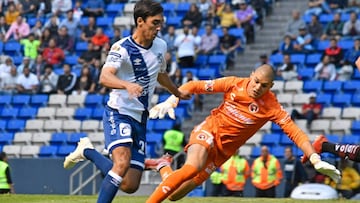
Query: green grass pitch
(20, 198)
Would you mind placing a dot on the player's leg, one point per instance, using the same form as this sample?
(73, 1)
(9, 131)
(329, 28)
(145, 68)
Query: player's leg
(195, 161)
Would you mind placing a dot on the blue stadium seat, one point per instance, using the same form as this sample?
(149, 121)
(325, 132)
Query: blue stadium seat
(65, 150)
(3, 124)
(351, 86)
(12, 48)
(80, 47)
(20, 100)
(306, 18)
(324, 99)
(345, 17)
(332, 86)
(193, 70)
(275, 128)
(74, 138)
(201, 61)
(6, 138)
(17, 60)
(5, 100)
(174, 21)
(255, 152)
(306, 73)
(169, 9)
(15, 125)
(161, 126)
(313, 86)
(285, 140)
(105, 99)
(98, 113)
(197, 192)
(298, 59)
(154, 137)
(346, 44)
(276, 59)
(333, 138)
(341, 100)
(150, 124)
(103, 21)
(182, 8)
(206, 73)
(1, 47)
(355, 101)
(180, 113)
(325, 18)
(163, 97)
(83, 113)
(27, 113)
(278, 151)
(350, 139)
(355, 127)
(59, 138)
(217, 61)
(322, 45)
(237, 32)
(125, 32)
(114, 9)
(84, 21)
(356, 74)
(313, 59)
(71, 60)
(93, 100)
(271, 139)
(39, 100)
(9, 113)
(47, 151)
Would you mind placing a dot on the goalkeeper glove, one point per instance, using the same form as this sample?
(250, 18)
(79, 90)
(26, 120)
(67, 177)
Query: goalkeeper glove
(325, 168)
(163, 108)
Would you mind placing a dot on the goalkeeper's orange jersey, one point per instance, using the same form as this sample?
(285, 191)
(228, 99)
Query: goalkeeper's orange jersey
(239, 116)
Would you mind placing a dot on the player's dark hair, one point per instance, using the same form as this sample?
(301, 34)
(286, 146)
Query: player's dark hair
(146, 8)
(2, 156)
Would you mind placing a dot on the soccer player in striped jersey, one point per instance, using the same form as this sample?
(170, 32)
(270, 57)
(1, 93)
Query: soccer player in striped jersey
(132, 69)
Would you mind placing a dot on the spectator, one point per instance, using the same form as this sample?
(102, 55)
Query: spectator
(195, 33)
(117, 36)
(294, 24)
(228, 46)
(185, 44)
(177, 78)
(89, 56)
(266, 174)
(77, 10)
(70, 23)
(316, 7)
(60, 7)
(198, 98)
(245, 20)
(38, 67)
(169, 38)
(260, 9)
(84, 83)
(287, 46)
(18, 29)
(53, 54)
(9, 81)
(336, 5)
(235, 171)
(204, 8)
(209, 42)
(303, 42)
(227, 16)
(11, 14)
(171, 64)
(65, 41)
(325, 70)
(264, 59)
(28, 8)
(193, 17)
(89, 30)
(99, 39)
(26, 62)
(315, 28)
(44, 8)
(174, 142)
(216, 187)
(352, 6)
(44, 40)
(31, 46)
(352, 54)
(294, 172)
(352, 26)
(7, 185)
(3, 28)
(67, 81)
(27, 82)
(335, 53)
(48, 80)
(345, 72)
(310, 111)
(53, 25)
(94, 8)
(37, 29)
(5, 67)
(334, 28)
(287, 71)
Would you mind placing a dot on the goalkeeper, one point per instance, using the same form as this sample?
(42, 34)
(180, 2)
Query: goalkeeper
(248, 104)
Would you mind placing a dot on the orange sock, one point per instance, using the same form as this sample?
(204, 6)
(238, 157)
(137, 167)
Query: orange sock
(165, 172)
(172, 182)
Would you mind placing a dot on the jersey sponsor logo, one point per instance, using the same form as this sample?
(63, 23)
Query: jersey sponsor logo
(253, 108)
(137, 62)
(125, 129)
(165, 189)
(209, 85)
(236, 114)
(160, 58)
(115, 54)
(113, 57)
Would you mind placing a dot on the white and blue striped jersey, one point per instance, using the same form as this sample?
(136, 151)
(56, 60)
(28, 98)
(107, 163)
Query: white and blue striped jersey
(135, 64)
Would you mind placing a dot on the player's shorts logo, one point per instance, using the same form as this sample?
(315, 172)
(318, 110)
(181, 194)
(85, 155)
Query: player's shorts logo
(253, 108)
(125, 129)
(202, 137)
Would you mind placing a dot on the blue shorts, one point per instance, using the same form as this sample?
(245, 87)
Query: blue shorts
(123, 130)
